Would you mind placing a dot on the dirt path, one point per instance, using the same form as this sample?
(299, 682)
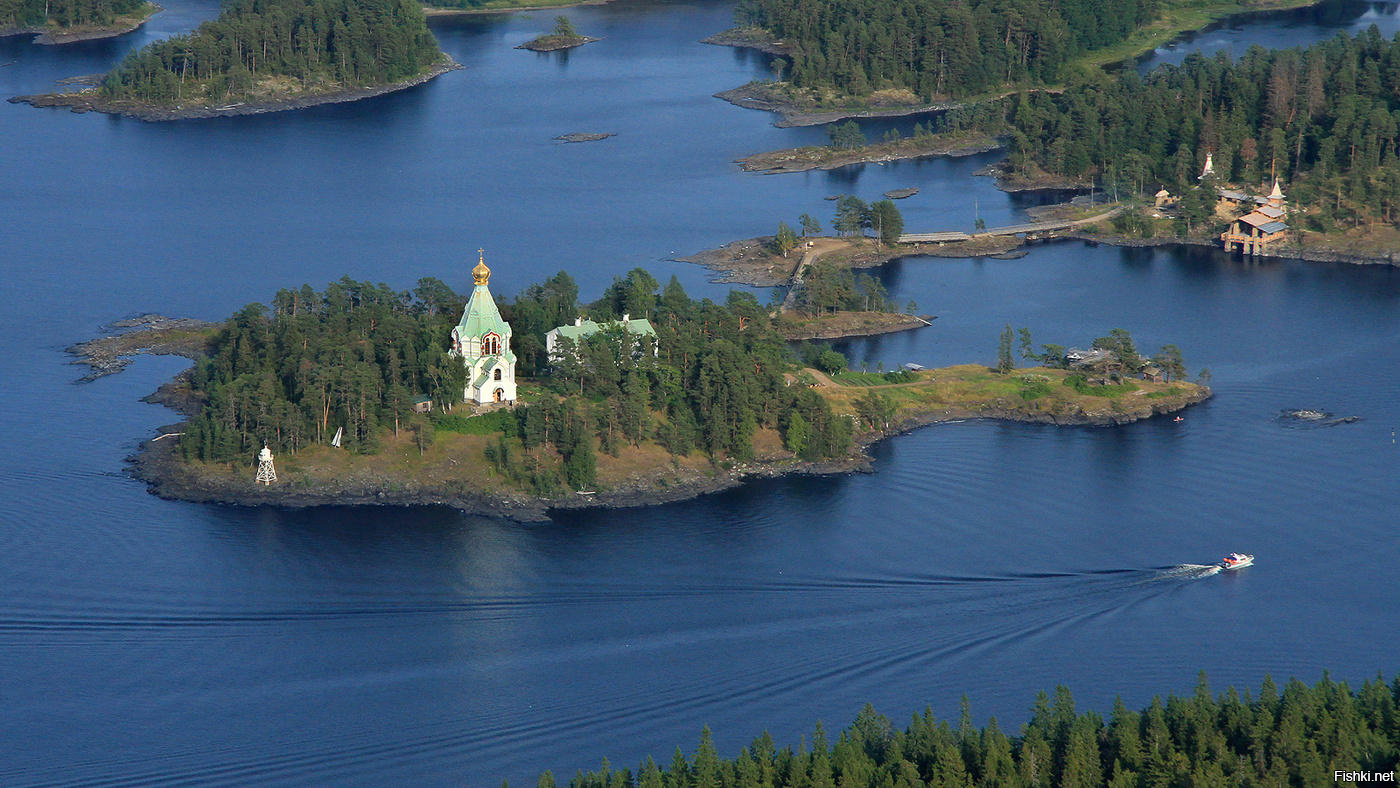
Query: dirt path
(819, 247)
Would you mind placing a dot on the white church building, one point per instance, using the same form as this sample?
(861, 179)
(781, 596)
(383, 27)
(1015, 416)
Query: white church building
(482, 340)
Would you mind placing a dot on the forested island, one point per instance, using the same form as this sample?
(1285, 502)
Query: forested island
(1323, 734)
(69, 21)
(717, 395)
(563, 36)
(269, 55)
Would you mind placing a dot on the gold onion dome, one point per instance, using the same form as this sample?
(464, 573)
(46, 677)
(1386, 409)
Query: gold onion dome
(481, 274)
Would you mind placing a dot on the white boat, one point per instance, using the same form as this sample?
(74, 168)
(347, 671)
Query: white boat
(1236, 561)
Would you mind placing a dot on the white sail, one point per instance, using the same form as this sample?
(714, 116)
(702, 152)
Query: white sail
(336, 440)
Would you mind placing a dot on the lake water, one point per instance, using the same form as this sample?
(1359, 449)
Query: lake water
(146, 641)
(1299, 27)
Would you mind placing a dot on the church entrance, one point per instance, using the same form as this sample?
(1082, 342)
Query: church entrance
(499, 396)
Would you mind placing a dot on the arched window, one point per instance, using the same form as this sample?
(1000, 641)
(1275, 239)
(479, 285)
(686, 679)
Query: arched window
(490, 345)
(497, 376)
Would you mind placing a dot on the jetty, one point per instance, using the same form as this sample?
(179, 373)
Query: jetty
(1027, 228)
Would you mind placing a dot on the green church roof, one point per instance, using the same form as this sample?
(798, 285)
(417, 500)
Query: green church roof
(587, 328)
(481, 316)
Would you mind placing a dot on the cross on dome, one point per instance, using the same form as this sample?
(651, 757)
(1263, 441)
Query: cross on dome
(481, 274)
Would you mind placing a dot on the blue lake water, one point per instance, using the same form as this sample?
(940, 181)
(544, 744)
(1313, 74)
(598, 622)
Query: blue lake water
(1299, 27)
(146, 641)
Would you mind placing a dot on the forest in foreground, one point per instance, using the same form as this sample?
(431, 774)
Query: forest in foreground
(277, 48)
(1294, 736)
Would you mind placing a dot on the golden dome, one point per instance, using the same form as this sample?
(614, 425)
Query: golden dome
(481, 274)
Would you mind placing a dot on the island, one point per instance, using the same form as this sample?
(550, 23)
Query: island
(563, 36)
(71, 21)
(286, 62)
(846, 150)
(366, 395)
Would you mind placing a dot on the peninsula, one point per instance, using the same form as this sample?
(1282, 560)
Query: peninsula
(938, 55)
(561, 410)
(222, 69)
(71, 21)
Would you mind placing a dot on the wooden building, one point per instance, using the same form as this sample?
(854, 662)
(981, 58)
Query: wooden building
(1257, 231)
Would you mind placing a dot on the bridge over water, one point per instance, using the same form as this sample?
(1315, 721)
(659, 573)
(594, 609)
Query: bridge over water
(1011, 229)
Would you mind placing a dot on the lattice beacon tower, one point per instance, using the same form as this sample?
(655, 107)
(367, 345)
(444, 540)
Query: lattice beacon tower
(266, 473)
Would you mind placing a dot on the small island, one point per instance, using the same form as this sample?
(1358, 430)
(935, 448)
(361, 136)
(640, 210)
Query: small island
(518, 407)
(848, 146)
(221, 69)
(71, 21)
(563, 36)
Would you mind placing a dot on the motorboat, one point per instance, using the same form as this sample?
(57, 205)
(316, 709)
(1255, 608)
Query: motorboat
(1236, 561)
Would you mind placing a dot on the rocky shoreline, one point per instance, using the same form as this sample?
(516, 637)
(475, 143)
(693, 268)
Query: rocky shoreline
(91, 101)
(759, 96)
(150, 334)
(157, 464)
(543, 44)
(808, 158)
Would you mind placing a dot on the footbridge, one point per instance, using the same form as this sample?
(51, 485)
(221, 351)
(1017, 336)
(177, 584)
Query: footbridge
(1027, 228)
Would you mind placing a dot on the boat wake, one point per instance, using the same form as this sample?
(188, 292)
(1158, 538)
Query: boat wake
(1189, 571)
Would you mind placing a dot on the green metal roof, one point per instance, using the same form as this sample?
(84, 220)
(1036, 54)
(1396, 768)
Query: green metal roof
(587, 328)
(481, 316)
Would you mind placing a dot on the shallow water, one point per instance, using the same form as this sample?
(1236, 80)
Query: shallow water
(147, 641)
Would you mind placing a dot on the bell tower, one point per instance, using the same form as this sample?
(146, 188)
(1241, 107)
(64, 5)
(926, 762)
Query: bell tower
(482, 341)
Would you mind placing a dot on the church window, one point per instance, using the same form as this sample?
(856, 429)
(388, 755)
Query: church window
(497, 376)
(490, 345)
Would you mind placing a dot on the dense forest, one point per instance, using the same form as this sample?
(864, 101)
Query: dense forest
(1297, 736)
(356, 355)
(280, 47)
(1324, 119)
(939, 48)
(64, 13)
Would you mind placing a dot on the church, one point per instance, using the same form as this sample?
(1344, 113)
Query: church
(482, 340)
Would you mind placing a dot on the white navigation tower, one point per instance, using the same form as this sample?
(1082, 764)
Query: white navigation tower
(266, 473)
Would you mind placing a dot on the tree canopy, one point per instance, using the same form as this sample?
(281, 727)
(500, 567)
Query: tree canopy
(1298, 735)
(939, 48)
(282, 46)
(1324, 120)
(356, 355)
(64, 13)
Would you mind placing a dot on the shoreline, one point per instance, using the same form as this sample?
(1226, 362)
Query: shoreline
(816, 157)
(431, 11)
(44, 36)
(759, 96)
(155, 463)
(533, 45)
(89, 101)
